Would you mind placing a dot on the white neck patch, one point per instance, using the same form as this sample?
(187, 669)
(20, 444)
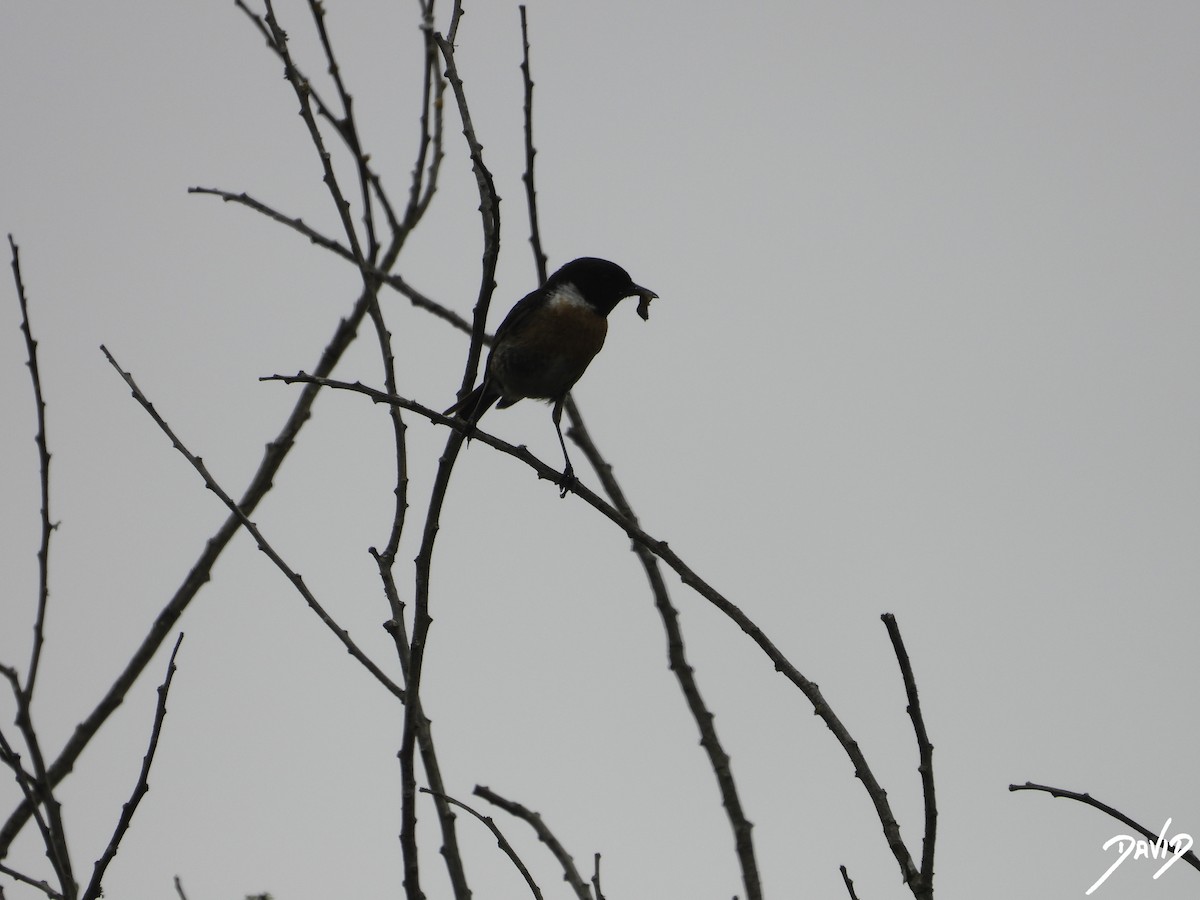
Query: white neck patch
(567, 296)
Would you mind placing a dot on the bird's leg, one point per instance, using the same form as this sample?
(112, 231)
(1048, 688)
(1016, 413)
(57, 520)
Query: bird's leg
(568, 477)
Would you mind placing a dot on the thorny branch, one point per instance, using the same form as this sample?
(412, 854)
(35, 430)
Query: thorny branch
(689, 577)
(43, 553)
(923, 887)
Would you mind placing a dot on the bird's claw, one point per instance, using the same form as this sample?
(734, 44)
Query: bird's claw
(566, 481)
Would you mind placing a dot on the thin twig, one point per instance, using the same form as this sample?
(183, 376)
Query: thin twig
(348, 128)
(43, 553)
(596, 878)
(545, 835)
(26, 780)
(849, 884)
(303, 90)
(1087, 799)
(294, 577)
(298, 225)
(140, 788)
(429, 147)
(53, 829)
(179, 888)
(923, 888)
(416, 660)
(455, 17)
(42, 886)
(501, 841)
(324, 110)
(489, 208)
(535, 232)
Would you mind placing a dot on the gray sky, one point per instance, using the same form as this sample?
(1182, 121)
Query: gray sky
(926, 344)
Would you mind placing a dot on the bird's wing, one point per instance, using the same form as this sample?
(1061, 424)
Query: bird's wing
(518, 314)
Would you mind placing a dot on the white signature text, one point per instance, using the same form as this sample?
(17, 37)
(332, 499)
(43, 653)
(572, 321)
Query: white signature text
(1170, 851)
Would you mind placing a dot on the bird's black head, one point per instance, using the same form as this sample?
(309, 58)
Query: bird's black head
(602, 284)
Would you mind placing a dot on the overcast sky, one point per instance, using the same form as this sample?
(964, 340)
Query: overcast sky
(926, 344)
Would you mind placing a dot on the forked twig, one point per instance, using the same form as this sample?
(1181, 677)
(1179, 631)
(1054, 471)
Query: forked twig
(489, 210)
(392, 280)
(544, 834)
(300, 84)
(348, 128)
(501, 840)
(596, 878)
(323, 109)
(94, 889)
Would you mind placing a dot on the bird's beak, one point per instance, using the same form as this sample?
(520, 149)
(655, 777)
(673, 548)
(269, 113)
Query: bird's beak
(644, 295)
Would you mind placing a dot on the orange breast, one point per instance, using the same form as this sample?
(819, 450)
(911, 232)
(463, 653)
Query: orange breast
(553, 350)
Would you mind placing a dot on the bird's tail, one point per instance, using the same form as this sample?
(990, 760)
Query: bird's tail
(475, 404)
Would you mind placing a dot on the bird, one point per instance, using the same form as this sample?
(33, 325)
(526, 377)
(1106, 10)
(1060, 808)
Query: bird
(548, 339)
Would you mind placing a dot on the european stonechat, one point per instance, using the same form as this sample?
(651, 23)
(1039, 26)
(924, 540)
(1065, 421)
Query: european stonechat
(546, 341)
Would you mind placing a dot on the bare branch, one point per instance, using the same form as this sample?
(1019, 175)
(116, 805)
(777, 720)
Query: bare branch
(295, 578)
(26, 780)
(596, 878)
(263, 480)
(39, 789)
(489, 208)
(278, 42)
(455, 17)
(849, 884)
(140, 788)
(324, 110)
(43, 553)
(705, 721)
(535, 234)
(1087, 799)
(416, 659)
(347, 127)
(429, 147)
(25, 879)
(545, 835)
(689, 577)
(501, 841)
(924, 887)
(418, 299)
